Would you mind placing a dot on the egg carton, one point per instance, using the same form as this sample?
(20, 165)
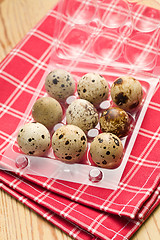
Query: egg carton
(112, 38)
(107, 33)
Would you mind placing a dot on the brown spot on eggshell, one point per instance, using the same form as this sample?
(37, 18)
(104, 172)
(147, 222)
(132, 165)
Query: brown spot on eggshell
(31, 152)
(100, 140)
(83, 138)
(134, 105)
(104, 162)
(60, 136)
(68, 157)
(121, 98)
(116, 141)
(118, 81)
(55, 81)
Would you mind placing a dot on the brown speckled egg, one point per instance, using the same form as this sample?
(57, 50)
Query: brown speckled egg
(59, 84)
(127, 93)
(82, 114)
(106, 150)
(69, 143)
(116, 121)
(34, 139)
(93, 87)
(48, 111)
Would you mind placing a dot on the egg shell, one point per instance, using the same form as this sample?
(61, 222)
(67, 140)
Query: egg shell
(82, 114)
(48, 111)
(69, 143)
(59, 84)
(34, 139)
(116, 121)
(106, 150)
(93, 87)
(127, 93)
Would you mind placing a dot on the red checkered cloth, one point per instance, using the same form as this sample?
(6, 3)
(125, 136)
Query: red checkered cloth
(91, 223)
(137, 193)
(68, 227)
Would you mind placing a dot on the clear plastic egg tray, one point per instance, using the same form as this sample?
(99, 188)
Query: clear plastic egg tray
(113, 38)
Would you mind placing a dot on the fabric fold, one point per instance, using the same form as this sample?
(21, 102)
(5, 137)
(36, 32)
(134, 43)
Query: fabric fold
(66, 226)
(102, 225)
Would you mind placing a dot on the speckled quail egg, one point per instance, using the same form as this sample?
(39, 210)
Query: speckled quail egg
(34, 139)
(93, 87)
(48, 111)
(106, 150)
(127, 93)
(116, 121)
(59, 84)
(69, 143)
(83, 114)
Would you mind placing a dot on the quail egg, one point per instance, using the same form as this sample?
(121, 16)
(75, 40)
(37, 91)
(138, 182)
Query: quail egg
(69, 143)
(82, 114)
(116, 121)
(93, 87)
(127, 93)
(106, 150)
(48, 111)
(34, 139)
(59, 84)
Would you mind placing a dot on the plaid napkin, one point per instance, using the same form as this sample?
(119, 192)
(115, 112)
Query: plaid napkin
(137, 194)
(65, 225)
(80, 221)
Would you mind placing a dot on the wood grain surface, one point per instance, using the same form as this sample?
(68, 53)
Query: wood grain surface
(18, 222)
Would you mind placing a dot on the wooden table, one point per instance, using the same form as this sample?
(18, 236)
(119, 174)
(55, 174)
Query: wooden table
(18, 222)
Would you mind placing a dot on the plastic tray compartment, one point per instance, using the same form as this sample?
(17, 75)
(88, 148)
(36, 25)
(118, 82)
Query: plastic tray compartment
(112, 38)
(108, 32)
